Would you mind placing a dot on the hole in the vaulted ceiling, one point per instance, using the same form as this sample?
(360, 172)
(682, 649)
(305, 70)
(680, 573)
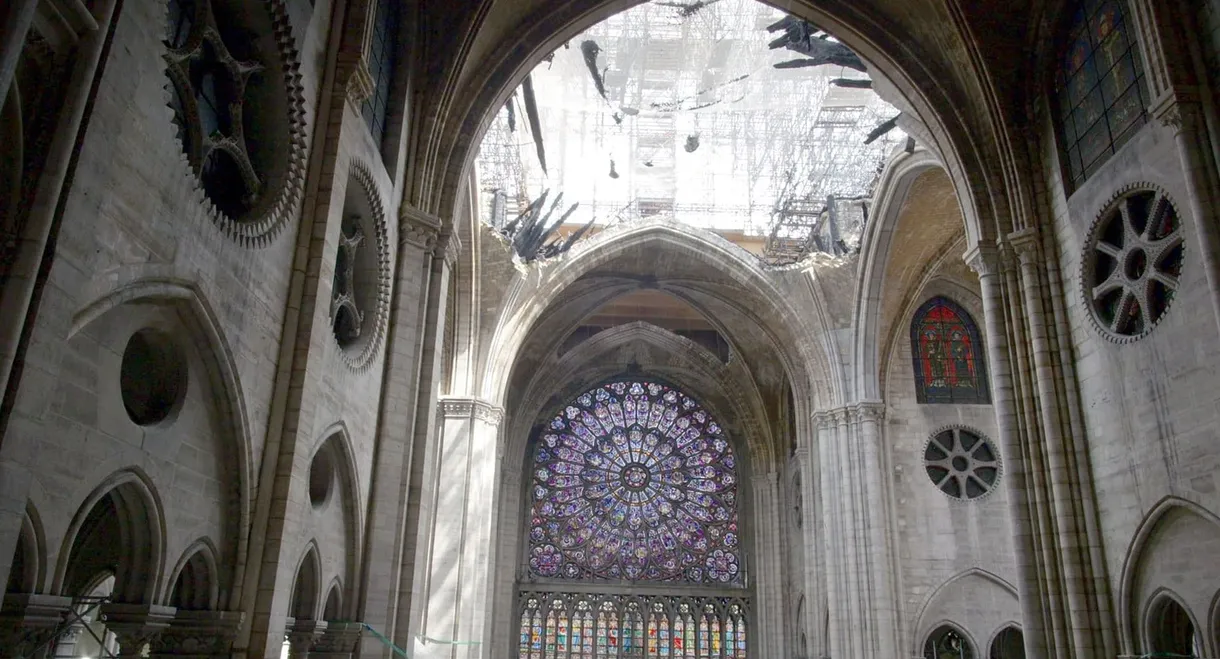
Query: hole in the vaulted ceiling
(729, 115)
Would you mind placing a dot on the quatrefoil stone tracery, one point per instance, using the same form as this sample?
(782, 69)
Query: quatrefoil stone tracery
(202, 70)
(1132, 264)
(961, 463)
(343, 297)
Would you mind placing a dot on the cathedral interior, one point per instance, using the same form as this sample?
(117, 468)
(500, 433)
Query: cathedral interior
(583, 329)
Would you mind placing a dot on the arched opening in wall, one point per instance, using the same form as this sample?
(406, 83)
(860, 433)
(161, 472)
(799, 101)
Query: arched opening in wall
(1008, 644)
(193, 587)
(731, 116)
(88, 636)
(323, 476)
(947, 642)
(633, 540)
(152, 377)
(27, 561)
(332, 611)
(1172, 630)
(120, 535)
(304, 602)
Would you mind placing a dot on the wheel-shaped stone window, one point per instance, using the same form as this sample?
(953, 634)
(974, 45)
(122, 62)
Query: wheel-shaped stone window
(1133, 263)
(238, 109)
(961, 463)
(360, 289)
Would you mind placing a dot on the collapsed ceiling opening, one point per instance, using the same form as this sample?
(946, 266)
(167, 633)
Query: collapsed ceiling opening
(723, 114)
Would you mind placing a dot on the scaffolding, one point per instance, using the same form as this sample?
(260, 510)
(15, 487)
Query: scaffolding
(695, 124)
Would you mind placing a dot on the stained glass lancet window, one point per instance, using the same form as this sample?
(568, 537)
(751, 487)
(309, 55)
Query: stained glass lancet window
(948, 355)
(635, 481)
(1098, 87)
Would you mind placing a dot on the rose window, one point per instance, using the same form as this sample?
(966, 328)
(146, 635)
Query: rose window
(961, 463)
(1133, 263)
(237, 108)
(635, 481)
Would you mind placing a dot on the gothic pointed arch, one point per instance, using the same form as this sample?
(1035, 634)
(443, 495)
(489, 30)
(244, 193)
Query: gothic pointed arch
(947, 350)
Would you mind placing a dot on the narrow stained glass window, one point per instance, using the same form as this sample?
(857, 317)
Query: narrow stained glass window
(1099, 91)
(948, 355)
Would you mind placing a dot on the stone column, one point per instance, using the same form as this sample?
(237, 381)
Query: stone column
(457, 588)
(768, 640)
(813, 558)
(28, 623)
(833, 549)
(882, 602)
(985, 260)
(1087, 615)
(135, 625)
(303, 635)
(407, 403)
(198, 635)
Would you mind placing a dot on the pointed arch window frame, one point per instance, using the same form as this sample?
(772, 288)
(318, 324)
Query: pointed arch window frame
(1096, 109)
(981, 388)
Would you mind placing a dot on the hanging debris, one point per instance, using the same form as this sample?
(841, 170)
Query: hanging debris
(589, 49)
(533, 235)
(853, 83)
(688, 9)
(613, 172)
(630, 112)
(618, 118)
(802, 37)
(692, 143)
(512, 112)
(531, 112)
(882, 129)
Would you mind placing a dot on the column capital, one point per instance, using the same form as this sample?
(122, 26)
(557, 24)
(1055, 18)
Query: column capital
(418, 227)
(198, 634)
(338, 642)
(1025, 245)
(1177, 110)
(450, 246)
(353, 77)
(869, 410)
(456, 407)
(28, 622)
(984, 259)
(303, 635)
(136, 624)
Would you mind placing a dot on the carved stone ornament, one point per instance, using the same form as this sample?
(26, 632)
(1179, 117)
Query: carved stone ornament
(197, 634)
(962, 463)
(28, 622)
(360, 292)
(339, 641)
(1132, 262)
(238, 106)
(983, 259)
(135, 625)
(418, 228)
(471, 408)
(303, 635)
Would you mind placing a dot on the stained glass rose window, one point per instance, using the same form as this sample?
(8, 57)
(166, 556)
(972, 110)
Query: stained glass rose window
(635, 481)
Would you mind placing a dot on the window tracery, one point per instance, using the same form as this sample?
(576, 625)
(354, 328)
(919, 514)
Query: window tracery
(948, 355)
(1098, 87)
(635, 481)
(565, 626)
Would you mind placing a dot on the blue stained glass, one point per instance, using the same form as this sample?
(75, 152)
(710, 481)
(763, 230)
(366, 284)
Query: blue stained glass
(634, 479)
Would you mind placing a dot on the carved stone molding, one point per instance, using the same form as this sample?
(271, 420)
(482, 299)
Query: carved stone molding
(471, 408)
(1025, 245)
(303, 635)
(451, 247)
(136, 624)
(352, 73)
(869, 411)
(1178, 111)
(418, 228)
(338, 642)
(198, 634)
(983, 259)
(27, 622)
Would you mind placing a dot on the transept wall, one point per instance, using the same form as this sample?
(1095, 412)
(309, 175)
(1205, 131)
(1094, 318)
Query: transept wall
(188, 412)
